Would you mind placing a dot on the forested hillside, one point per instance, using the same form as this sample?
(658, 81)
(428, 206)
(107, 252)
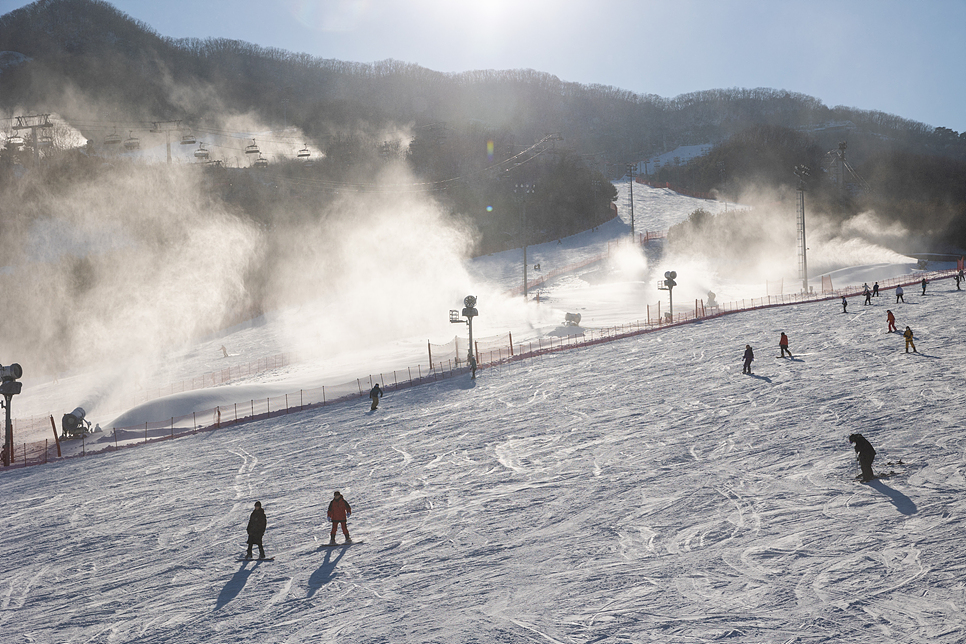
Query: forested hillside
(468, 137)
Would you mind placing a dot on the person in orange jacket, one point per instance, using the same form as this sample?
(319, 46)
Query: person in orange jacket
(339, 511)
(891, 319)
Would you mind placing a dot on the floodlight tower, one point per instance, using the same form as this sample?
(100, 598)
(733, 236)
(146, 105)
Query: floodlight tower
(524, 189)
(668, 285)
(9, 387)
(631, 169)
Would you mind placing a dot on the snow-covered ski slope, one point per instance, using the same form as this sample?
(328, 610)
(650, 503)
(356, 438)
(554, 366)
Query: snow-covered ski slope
(634, 491)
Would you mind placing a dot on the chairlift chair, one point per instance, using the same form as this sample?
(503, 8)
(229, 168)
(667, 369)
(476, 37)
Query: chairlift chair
(15, 141)
(201, 152)
(132, 142)
(304, 152)
(252, 149)
(261, 162)
(112, 139)
(188, 139)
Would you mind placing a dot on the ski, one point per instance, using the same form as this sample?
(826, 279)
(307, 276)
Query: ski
(339, 545)
(254, 559)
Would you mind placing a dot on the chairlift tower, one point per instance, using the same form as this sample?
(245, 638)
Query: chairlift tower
(802, 173)
(524, 189)
(33, 123)
(9, 387)
(166, 127)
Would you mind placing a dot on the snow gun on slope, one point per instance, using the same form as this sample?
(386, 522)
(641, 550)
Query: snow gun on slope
(74, 425)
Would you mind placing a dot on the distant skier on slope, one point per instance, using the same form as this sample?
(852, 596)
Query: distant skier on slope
(338, 512)
(956, 277)
(867, 293)
(783, 345)
(865, 454)
(374, 395)
(875, 290)
(891, 319)
(749, 357)
(899, 297)
(845, 305)
(256, 530)
(472, 360)
(907, 334)
(924, 282)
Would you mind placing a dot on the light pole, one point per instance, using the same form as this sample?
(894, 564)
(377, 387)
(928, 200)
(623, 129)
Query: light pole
(802, 173)
(469, 312)
(524, 189)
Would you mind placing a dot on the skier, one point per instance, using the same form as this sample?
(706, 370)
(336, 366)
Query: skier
(956, 277)
(338, 512)
(924, 282)
(875, 290)
(899, 297)
(224, 351)
(749, 358)
(256, 529)
(472, 360)
(865, 454)
(783, 345)
(374, 394)
(867, 293)
(907, 334)
(891, 319)
(845, 305)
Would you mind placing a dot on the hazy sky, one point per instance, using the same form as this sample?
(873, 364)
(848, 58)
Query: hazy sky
(900, 57)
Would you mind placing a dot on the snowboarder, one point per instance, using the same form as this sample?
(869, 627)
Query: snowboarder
(783, 345)
(891, 319)
(899, 297)
(924, 282)
(956, 277)
(338, 512)
(256, 530)
(907, 334)
(865, 454)
(224, 351)
(375, 394)
(472, 360)
(845, 305)
(867, 293)
(749, 357)
(875, 290)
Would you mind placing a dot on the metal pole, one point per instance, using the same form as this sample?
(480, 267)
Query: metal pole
(8, 440)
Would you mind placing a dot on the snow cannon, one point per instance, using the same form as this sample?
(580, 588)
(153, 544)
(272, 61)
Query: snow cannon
(73, 425)
(572, 319)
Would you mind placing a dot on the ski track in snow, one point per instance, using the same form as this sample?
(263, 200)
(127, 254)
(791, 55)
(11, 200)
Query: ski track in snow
(634, 491)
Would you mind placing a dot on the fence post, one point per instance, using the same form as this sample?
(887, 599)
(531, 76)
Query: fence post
(115, 441)
(145, 431)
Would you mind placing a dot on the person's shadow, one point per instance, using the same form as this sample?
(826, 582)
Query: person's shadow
(326, 572)
(902, 502)
(234, 585)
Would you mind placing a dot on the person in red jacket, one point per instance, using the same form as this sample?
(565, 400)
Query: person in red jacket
(783, 345)
(891, 319)
(339, 511)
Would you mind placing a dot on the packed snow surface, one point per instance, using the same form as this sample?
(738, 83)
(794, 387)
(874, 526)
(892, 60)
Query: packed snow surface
(633, 491)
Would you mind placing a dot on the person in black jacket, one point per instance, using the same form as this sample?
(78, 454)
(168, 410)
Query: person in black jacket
(256, 530)
(865, 454)
(749, 357)
(374, 395)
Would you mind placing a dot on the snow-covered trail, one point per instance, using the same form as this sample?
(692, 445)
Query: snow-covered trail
(641, 490)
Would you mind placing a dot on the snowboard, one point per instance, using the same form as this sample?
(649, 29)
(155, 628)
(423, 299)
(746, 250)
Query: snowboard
(879, 475)
(255, 559)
